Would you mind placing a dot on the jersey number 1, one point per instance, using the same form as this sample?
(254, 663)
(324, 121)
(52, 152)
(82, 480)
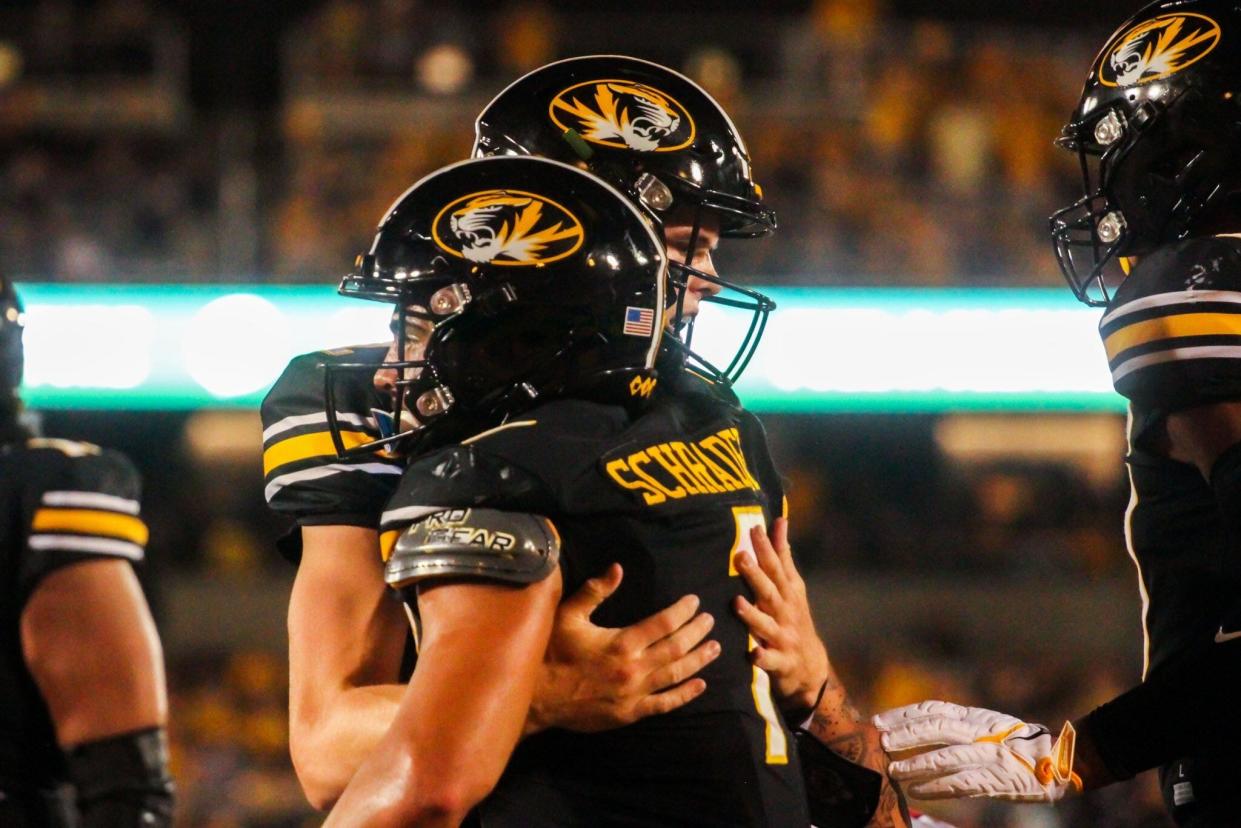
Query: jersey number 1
(746, 518)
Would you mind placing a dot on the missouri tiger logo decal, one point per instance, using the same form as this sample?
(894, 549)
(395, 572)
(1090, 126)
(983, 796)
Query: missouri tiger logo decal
(623, 115)
(1157, 48)
(507, 227)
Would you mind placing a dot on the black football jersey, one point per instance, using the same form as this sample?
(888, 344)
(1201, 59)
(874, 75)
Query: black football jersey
(303, 477)
(63, 503)
(670, 496)
(1173, 341)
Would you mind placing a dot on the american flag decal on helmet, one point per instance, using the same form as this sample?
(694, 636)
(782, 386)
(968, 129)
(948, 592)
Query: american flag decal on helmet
(639, 321)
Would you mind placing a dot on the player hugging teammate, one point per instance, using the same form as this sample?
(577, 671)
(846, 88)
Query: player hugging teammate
(539, 418)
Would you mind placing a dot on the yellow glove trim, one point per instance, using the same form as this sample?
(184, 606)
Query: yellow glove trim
(1059, 766)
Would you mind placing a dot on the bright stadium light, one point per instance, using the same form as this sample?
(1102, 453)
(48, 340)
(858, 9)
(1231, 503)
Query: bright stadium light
(195, 346)
(102, 346)
(237, 344)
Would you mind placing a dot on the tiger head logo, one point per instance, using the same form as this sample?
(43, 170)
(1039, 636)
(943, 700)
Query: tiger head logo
(507, 227)
(1157, 48)
(623, 115)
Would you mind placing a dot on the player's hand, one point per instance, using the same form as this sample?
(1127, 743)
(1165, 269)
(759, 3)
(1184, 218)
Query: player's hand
(597, 678)
(789, 649)
(975, 752)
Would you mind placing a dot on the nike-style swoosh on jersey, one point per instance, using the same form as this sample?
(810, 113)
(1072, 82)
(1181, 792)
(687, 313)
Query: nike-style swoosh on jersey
(1221, 636)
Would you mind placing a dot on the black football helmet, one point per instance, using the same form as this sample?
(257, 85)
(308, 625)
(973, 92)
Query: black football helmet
(1157, 133)
(534, 279)
(662, 140)
(12, 322)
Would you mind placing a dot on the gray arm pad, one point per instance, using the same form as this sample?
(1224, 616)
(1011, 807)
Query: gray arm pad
(484, 544)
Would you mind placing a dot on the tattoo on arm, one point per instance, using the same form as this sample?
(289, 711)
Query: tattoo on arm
(845, 732)
(851, 746)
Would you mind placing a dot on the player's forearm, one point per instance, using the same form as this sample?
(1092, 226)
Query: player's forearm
(1184, 707)
(461, 715)
(328, 748)
(837, 723)
(1088, 764)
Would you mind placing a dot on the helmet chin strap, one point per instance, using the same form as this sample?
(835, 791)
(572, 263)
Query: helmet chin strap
(398, 408)
(688, 263)
(758, 305)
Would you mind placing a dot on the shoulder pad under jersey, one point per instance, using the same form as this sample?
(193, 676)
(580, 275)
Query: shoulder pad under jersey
(528, 465)
(78, 502)
(554, 435)
(303, 476)
(758, 455)
(459, 477)
(1173, 332)
(484, 544)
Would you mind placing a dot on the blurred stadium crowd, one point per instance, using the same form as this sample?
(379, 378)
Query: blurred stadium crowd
(896, 152)
(885, 145)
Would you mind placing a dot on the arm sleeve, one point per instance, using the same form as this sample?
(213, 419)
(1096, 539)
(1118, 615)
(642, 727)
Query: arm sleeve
(123, 781)
(303, 477)
(83, 504)
(840, 793)
(1189, 704)
(1226, 485)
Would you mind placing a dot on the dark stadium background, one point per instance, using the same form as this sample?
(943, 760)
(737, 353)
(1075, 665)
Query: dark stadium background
(975, 558)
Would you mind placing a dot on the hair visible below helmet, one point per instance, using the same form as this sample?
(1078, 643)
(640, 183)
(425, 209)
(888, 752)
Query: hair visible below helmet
(11, 359)
(659, 138)
(1156, 133)
(538, 280)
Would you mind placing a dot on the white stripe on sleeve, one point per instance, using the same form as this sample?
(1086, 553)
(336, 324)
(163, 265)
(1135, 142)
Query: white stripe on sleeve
(79, 543)
(1188, 297)
(328, 470)
(1136, 363)
(290, 423)
(91, 500)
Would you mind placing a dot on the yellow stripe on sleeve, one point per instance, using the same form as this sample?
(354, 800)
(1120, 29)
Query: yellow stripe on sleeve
(387, 542)
(305, 446)
(91, 522)
(1171, 327)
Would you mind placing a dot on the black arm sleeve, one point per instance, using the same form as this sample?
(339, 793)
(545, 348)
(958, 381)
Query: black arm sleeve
(1188, 705)
(123, 780)
(1226, 483)
(841, 794)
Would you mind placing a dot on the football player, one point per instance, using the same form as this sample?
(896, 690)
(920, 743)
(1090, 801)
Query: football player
(1153, 241)
(349, 645)
(665, 143)
(544, 456)
(699, 188)
(82, 700)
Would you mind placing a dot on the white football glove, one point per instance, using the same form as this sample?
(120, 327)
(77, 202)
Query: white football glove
(974, 752)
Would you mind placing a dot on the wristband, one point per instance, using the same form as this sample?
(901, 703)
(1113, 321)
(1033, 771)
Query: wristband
(122, 781)
(840, 793)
